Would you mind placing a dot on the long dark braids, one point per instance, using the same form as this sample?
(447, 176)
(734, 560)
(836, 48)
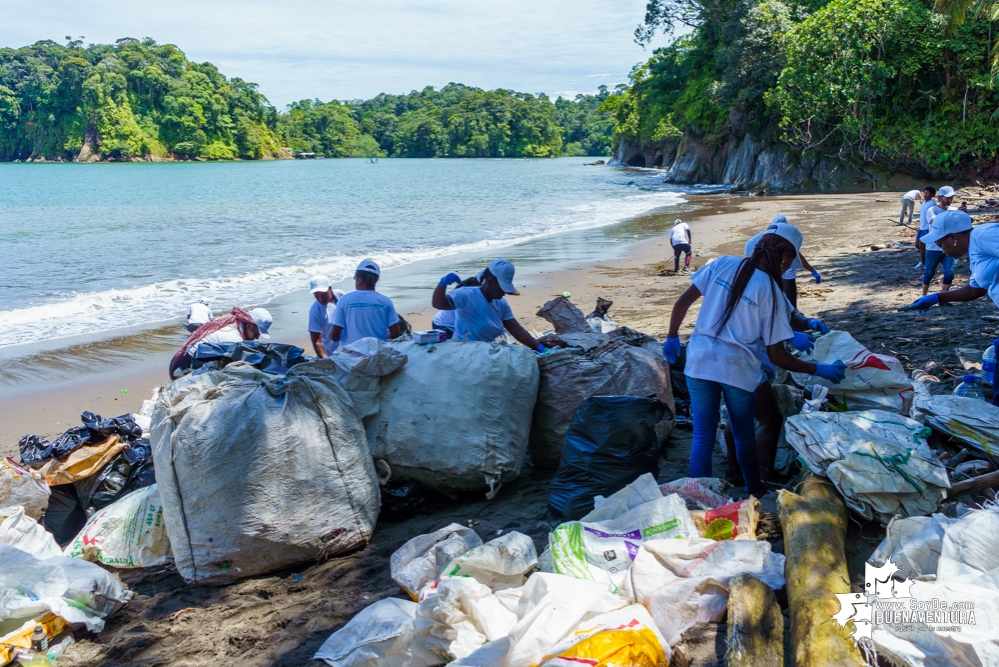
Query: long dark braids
(768, 255)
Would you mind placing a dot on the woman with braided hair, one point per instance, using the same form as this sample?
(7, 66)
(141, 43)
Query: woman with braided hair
(743, 310)
(238, 325)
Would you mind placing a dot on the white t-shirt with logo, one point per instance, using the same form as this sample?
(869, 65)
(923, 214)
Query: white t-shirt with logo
(229, 334)
(933, 212)
(679, 234)
(983, 255)
(321, 322)
(792, 270)
(730, 356)
(198, 313)
(475, 317)
(911, 194)
(364, 314)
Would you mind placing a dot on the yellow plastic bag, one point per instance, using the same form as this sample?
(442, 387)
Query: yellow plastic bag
(625, 637)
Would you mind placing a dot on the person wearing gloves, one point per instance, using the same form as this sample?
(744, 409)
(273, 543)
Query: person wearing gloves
(933, 253)
(482, 313)
(681, 240)
(789, 282)
(235, 327)
(954, 233)
(364, 313)
(743, 308)
(444, 319)
(321, 316)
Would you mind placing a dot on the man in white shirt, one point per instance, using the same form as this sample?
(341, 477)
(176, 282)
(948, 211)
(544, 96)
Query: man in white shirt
(933, 253)
(197, 314)
(925, 209)
(364, 313)
(482, 313)
(321, 316)
(909, 200)
(680, 238)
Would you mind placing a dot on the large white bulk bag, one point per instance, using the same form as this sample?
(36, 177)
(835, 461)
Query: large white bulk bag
(259, 471)
(457, 415)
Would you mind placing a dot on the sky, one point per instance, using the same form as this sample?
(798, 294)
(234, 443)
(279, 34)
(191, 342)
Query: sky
(331, 49)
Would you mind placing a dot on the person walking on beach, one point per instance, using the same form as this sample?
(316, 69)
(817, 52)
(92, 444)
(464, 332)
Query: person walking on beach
(364, 312)
(743, 308)
(680, 238)
(235, 327)
(909, 200)
(198, 314)
(925, 209)
(321, 315)
(482, 313)
(789, 282)
(934, 255)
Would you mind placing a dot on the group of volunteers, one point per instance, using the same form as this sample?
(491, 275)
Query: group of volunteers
(477, 310)
(930, 254)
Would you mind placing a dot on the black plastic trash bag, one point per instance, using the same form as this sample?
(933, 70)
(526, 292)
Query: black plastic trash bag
(65, 516)
(132, 469)
(610, 443)
(36, 450)
(274, 358)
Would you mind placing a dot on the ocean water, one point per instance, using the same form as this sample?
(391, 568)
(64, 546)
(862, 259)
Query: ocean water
(95, 250)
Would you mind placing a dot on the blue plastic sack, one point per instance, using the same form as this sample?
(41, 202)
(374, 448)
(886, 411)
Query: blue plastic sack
(611, 442)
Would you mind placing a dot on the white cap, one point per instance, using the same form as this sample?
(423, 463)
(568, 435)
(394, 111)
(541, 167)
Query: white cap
(502, 270)
(945, 191)
(204, 302)
(677, 221)
(369, 266)
(786, 231)
(778, 219)
(263, 320)
(948, 222)
(319, 284)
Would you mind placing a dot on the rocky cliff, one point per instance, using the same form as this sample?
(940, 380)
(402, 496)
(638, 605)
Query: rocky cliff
(747, 164)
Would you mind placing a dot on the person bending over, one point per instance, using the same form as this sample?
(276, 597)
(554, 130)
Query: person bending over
(482, 313)
(235, 327)
(681, 239)
(364, 313)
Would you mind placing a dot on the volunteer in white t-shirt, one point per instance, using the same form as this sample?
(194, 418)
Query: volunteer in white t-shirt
(234, 327)
(198, 314)
(909, 200)
(925, 215)
(789, 283)
(321, 315)
(743, 308)
(934, 253)
(681, 239)
(364, 312)
(482, 313)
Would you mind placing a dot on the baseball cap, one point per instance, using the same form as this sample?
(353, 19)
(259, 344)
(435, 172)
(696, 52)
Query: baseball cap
(263, 320)
(946, 191)
(369, 266)
(319, 284)
(502, 270)
(948, 222)
(204, 302)
(677, 221)
(786, 231)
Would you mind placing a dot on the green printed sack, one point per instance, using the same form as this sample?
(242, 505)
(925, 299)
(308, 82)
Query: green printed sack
(603, 551)
(127, 533)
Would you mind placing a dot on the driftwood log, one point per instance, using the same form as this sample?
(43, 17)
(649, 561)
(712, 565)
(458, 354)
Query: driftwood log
(755, 625)
(814, 523)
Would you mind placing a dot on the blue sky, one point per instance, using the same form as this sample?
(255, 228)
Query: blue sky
(342, 50)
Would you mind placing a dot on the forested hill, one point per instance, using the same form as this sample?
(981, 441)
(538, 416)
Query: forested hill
(142, 100)
(902, 85)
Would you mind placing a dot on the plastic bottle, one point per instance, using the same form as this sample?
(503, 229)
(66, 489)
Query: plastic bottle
(969, 389)
(989, 364)
(60, 648)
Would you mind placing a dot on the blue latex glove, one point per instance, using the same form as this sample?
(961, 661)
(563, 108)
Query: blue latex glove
(671, 349)
(923, 303)
(818, 278)
(450, 279)
(817, 325)
(834, 372)
(802, 342)
(540, 349)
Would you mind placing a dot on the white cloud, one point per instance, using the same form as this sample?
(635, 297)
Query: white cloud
(344, 50)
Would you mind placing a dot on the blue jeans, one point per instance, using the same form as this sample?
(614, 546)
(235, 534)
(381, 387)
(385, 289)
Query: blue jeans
(934, 257)
(705, 409)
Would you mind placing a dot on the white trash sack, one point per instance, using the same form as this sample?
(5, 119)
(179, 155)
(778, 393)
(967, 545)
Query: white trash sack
(879, 461)
(873, 381)
(421, 560)
(381, 635)
(685, 581)
(24, 487)
(500, 563)
(20, 530)
(603, 551)
(257, 471)
(457, 416)
(643, 490)
(127, 533)
(968, 420)
(360, 367)
(77, 591)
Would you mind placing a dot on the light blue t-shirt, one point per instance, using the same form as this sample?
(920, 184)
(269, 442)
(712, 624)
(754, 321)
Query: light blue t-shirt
(931, 213)
(321, 322)
(476, 318)
(364, 314)
(983, 255)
